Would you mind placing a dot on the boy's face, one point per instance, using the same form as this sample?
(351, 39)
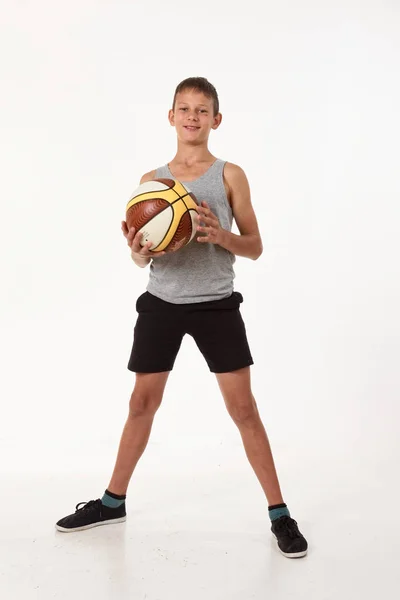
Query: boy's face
(193, 117)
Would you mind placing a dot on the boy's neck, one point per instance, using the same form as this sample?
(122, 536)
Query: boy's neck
(190, 156)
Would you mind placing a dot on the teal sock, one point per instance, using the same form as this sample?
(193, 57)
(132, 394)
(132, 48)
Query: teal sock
(278, 510)
(112, 500)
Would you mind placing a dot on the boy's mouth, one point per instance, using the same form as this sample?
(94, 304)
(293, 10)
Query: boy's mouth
(191, 128)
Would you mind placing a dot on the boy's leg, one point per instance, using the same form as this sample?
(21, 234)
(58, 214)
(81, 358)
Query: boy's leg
(239, 400)
(158, 335)
(241, 405)
(144, 403)
(220, 333)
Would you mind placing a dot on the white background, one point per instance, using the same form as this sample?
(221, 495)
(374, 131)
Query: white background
(309, 93)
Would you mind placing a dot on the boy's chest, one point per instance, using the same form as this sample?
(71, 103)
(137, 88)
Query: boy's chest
(188, 174)
(191, 177)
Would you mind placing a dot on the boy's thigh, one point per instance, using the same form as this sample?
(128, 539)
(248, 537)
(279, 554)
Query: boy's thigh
(220, 334)
(157, 337)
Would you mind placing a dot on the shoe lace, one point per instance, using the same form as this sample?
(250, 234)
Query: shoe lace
(86, 505)
(288, 526)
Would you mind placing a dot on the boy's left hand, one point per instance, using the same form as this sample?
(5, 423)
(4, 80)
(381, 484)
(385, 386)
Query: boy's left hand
(213, 231)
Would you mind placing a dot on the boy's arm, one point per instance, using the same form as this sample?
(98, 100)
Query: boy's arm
(248, 243)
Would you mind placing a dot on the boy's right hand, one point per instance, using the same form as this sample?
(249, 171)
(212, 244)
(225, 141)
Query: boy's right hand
(133, 241)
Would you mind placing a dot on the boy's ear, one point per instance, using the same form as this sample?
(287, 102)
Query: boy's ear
(171, 117)
(217, 121)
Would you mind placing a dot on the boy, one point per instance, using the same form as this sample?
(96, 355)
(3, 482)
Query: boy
(191, 291)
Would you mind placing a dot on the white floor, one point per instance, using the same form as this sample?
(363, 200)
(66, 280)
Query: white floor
(198, 528)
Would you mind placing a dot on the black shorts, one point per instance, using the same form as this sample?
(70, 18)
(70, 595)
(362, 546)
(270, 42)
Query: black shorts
(216, 326)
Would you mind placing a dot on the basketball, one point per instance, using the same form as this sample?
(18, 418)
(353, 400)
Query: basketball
(164, 211)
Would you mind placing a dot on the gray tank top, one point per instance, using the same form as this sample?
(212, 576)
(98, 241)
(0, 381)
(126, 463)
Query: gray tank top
(198, 272)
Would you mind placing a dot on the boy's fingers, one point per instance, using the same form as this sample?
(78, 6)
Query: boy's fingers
(130, 235)
(124, 228)
(135, 242)
(149, 253)
(137, 248)
(146, 247)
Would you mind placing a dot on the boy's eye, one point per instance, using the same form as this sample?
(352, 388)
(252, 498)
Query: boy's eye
(203, 110)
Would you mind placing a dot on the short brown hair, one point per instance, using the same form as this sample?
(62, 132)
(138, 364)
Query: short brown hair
(199, 84)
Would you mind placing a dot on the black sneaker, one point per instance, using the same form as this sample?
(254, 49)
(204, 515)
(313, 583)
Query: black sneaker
(290, 541)
(91, 514)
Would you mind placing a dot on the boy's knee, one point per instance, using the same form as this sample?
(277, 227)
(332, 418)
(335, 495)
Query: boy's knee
(147, 394)
(243, 412)
(144, 404)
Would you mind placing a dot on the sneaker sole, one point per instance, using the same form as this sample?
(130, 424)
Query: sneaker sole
(291, 554)
(109, 522)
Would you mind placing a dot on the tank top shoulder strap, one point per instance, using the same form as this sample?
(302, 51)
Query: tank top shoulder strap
(219, 164)
(163, 172)
(215, 174)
